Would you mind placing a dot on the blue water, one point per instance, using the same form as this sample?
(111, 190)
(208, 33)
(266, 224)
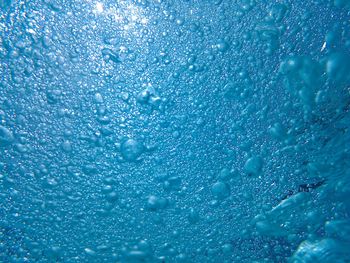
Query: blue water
(174, 131)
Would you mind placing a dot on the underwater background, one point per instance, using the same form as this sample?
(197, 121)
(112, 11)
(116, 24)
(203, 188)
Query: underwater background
(174, 131)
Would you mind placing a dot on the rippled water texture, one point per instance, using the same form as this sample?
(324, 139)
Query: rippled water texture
(175, 131)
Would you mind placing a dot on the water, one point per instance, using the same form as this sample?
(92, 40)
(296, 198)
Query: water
(174, 131)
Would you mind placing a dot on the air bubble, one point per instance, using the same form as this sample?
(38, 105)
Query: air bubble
(253, 165)
(131, 149)
(220, 190)
(6, 136)
(222, 46)
(98, 98)
(155, 203)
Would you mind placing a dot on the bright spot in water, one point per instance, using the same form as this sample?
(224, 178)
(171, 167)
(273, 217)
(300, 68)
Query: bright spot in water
(128, 14)
(99, 7)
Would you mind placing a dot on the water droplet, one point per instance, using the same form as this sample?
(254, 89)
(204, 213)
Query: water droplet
(325, 250)
(227, 249)
(112, 196)
(222, 45)
(193, 216)
(67, 146)
(253, 165)
(143, 96)
(155, 203)
(225, 175)
(131, 149)
(277, 12)
(220, 190)
(278, 131)
(6, 136)
(90, 252)
(98, 98)
(338, 67)
(53, 96)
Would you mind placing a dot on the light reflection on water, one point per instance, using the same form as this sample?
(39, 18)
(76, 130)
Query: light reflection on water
(124, 13)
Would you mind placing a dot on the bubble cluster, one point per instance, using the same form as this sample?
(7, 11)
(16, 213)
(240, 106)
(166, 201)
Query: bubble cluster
(174, 131)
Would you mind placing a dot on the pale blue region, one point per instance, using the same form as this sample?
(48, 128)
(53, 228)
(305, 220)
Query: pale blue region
(174, 131)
